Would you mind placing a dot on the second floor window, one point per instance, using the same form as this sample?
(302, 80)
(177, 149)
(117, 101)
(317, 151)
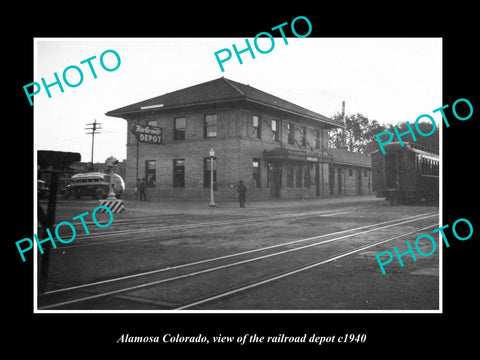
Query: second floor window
(257, 127)
(210, 126)
(317, 139)
(275, 136)
(291, 133)
(304, 136)
(179, 127)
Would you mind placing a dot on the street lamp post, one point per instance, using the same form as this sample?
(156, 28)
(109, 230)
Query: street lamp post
(111, 162)
(212, 154)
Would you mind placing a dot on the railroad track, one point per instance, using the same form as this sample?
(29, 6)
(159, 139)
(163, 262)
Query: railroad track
(188, 285)
(152, 231)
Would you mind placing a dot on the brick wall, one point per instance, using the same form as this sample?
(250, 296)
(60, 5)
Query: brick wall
(354, 181)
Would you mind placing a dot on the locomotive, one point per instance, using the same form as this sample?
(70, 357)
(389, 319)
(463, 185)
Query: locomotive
(406, 173)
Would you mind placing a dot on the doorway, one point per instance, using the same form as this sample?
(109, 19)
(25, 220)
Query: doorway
(150, 172)
(275, 173)
(339, 181)
(317, 179)
(359, 182)
(331, 179)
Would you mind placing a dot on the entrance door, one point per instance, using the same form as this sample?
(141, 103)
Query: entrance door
(391, 180)
(150, 172)
(359, 182)
(275, 172)
(317, 179)
(339, 181)
(331, 179)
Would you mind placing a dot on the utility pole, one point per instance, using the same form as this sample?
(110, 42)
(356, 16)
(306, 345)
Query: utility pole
(344, 131)
(94, 130)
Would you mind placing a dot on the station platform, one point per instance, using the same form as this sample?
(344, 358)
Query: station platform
(137, 208)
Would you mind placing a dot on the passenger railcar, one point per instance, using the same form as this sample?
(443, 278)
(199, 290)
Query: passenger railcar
(405, 173)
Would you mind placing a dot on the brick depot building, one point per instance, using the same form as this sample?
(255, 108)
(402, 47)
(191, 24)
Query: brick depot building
(277, 148)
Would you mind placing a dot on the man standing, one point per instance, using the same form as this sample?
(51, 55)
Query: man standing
(141, 190)
(241, 193)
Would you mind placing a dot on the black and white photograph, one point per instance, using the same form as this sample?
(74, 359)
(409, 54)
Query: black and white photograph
(243, 188)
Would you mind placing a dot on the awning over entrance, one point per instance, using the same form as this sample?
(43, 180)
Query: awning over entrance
(283, 154)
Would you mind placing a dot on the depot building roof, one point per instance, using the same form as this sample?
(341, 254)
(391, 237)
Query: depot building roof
(344, 157)
(218, 91)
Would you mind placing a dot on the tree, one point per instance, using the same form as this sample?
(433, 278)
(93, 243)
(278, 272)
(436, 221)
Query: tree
(359, 133)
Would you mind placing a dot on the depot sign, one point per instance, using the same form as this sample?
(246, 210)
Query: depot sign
(147, 134)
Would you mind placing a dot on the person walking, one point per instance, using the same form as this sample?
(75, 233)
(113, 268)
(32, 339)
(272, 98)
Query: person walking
(141, 189)
(241, 189)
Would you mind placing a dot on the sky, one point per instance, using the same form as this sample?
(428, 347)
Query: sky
(386, 79)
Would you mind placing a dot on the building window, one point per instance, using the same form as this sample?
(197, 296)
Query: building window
(299, 176)
(206, 172)
(150, 172)
(275, 135)
(291, 133)
(210, 126)
(257, 126)
(256, 172)
(365, 173)
(350, 172)
(179, 173)
(317, 139)
(179, 126)
(304, 136)
(290, 175)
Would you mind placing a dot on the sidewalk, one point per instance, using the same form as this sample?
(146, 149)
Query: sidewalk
(200, 207)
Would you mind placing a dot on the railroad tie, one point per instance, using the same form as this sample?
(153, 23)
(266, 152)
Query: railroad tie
(115, 205)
